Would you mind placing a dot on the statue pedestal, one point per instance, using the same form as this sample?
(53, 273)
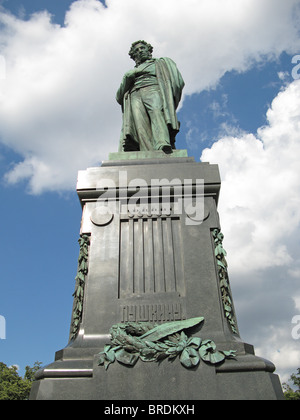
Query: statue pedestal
(151, 251)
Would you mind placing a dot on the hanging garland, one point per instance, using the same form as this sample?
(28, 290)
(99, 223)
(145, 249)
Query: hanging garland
(84, 242)
(220, 255)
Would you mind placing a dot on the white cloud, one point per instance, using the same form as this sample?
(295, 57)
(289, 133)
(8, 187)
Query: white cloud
(260, 216)
(260, 186)
(282, 351)
(57, 105)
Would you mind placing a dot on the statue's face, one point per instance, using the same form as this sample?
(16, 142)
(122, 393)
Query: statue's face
(141, 53)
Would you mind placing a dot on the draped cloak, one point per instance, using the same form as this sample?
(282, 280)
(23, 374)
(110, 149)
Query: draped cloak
(170, 83)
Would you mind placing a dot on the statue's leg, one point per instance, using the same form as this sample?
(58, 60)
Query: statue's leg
(141, 121)
(153, 103)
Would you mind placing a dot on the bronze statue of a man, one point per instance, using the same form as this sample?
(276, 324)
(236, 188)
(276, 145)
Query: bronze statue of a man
(149, 95)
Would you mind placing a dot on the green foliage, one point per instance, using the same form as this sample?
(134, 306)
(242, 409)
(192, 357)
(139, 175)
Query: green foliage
(82, 271)
(220, 254)
(290, 393)
(12, 385)
(134, 340)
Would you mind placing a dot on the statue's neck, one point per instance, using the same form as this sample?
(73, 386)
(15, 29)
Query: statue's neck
(144, 62)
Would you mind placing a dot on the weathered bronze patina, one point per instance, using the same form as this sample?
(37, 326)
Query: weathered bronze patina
(141, 340)
(149, 95)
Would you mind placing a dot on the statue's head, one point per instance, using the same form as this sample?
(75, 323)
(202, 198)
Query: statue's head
(140, 51)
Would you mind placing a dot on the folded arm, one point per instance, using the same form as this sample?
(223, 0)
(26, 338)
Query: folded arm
(127, 83)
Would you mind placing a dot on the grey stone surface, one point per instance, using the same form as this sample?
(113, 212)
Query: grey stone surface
(157, 154)
(165, 381)
(152, 263)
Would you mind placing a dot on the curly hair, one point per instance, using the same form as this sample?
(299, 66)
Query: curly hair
(131, 52)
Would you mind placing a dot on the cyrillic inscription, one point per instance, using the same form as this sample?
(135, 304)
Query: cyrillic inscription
(152, 313)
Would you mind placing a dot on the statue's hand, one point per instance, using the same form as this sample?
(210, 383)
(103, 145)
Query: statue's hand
(126, 85)
(130, 75)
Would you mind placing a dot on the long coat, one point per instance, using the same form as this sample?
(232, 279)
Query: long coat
(171, 84)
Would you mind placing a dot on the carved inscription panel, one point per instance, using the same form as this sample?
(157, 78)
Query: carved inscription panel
(152, 312)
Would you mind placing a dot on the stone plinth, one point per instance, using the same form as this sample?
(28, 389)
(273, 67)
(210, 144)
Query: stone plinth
(151, 251)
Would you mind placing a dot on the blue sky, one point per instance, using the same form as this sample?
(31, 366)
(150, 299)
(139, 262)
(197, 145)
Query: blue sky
(25, 8)
(58, 115)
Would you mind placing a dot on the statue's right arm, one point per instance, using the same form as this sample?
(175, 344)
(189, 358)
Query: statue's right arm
(126, 84)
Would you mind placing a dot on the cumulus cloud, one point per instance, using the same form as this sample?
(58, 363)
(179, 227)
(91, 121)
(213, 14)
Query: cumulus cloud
(57, 106)
(261, 183)
(260, 215)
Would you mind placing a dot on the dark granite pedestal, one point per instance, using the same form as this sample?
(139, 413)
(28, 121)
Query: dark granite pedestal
(152, 225)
